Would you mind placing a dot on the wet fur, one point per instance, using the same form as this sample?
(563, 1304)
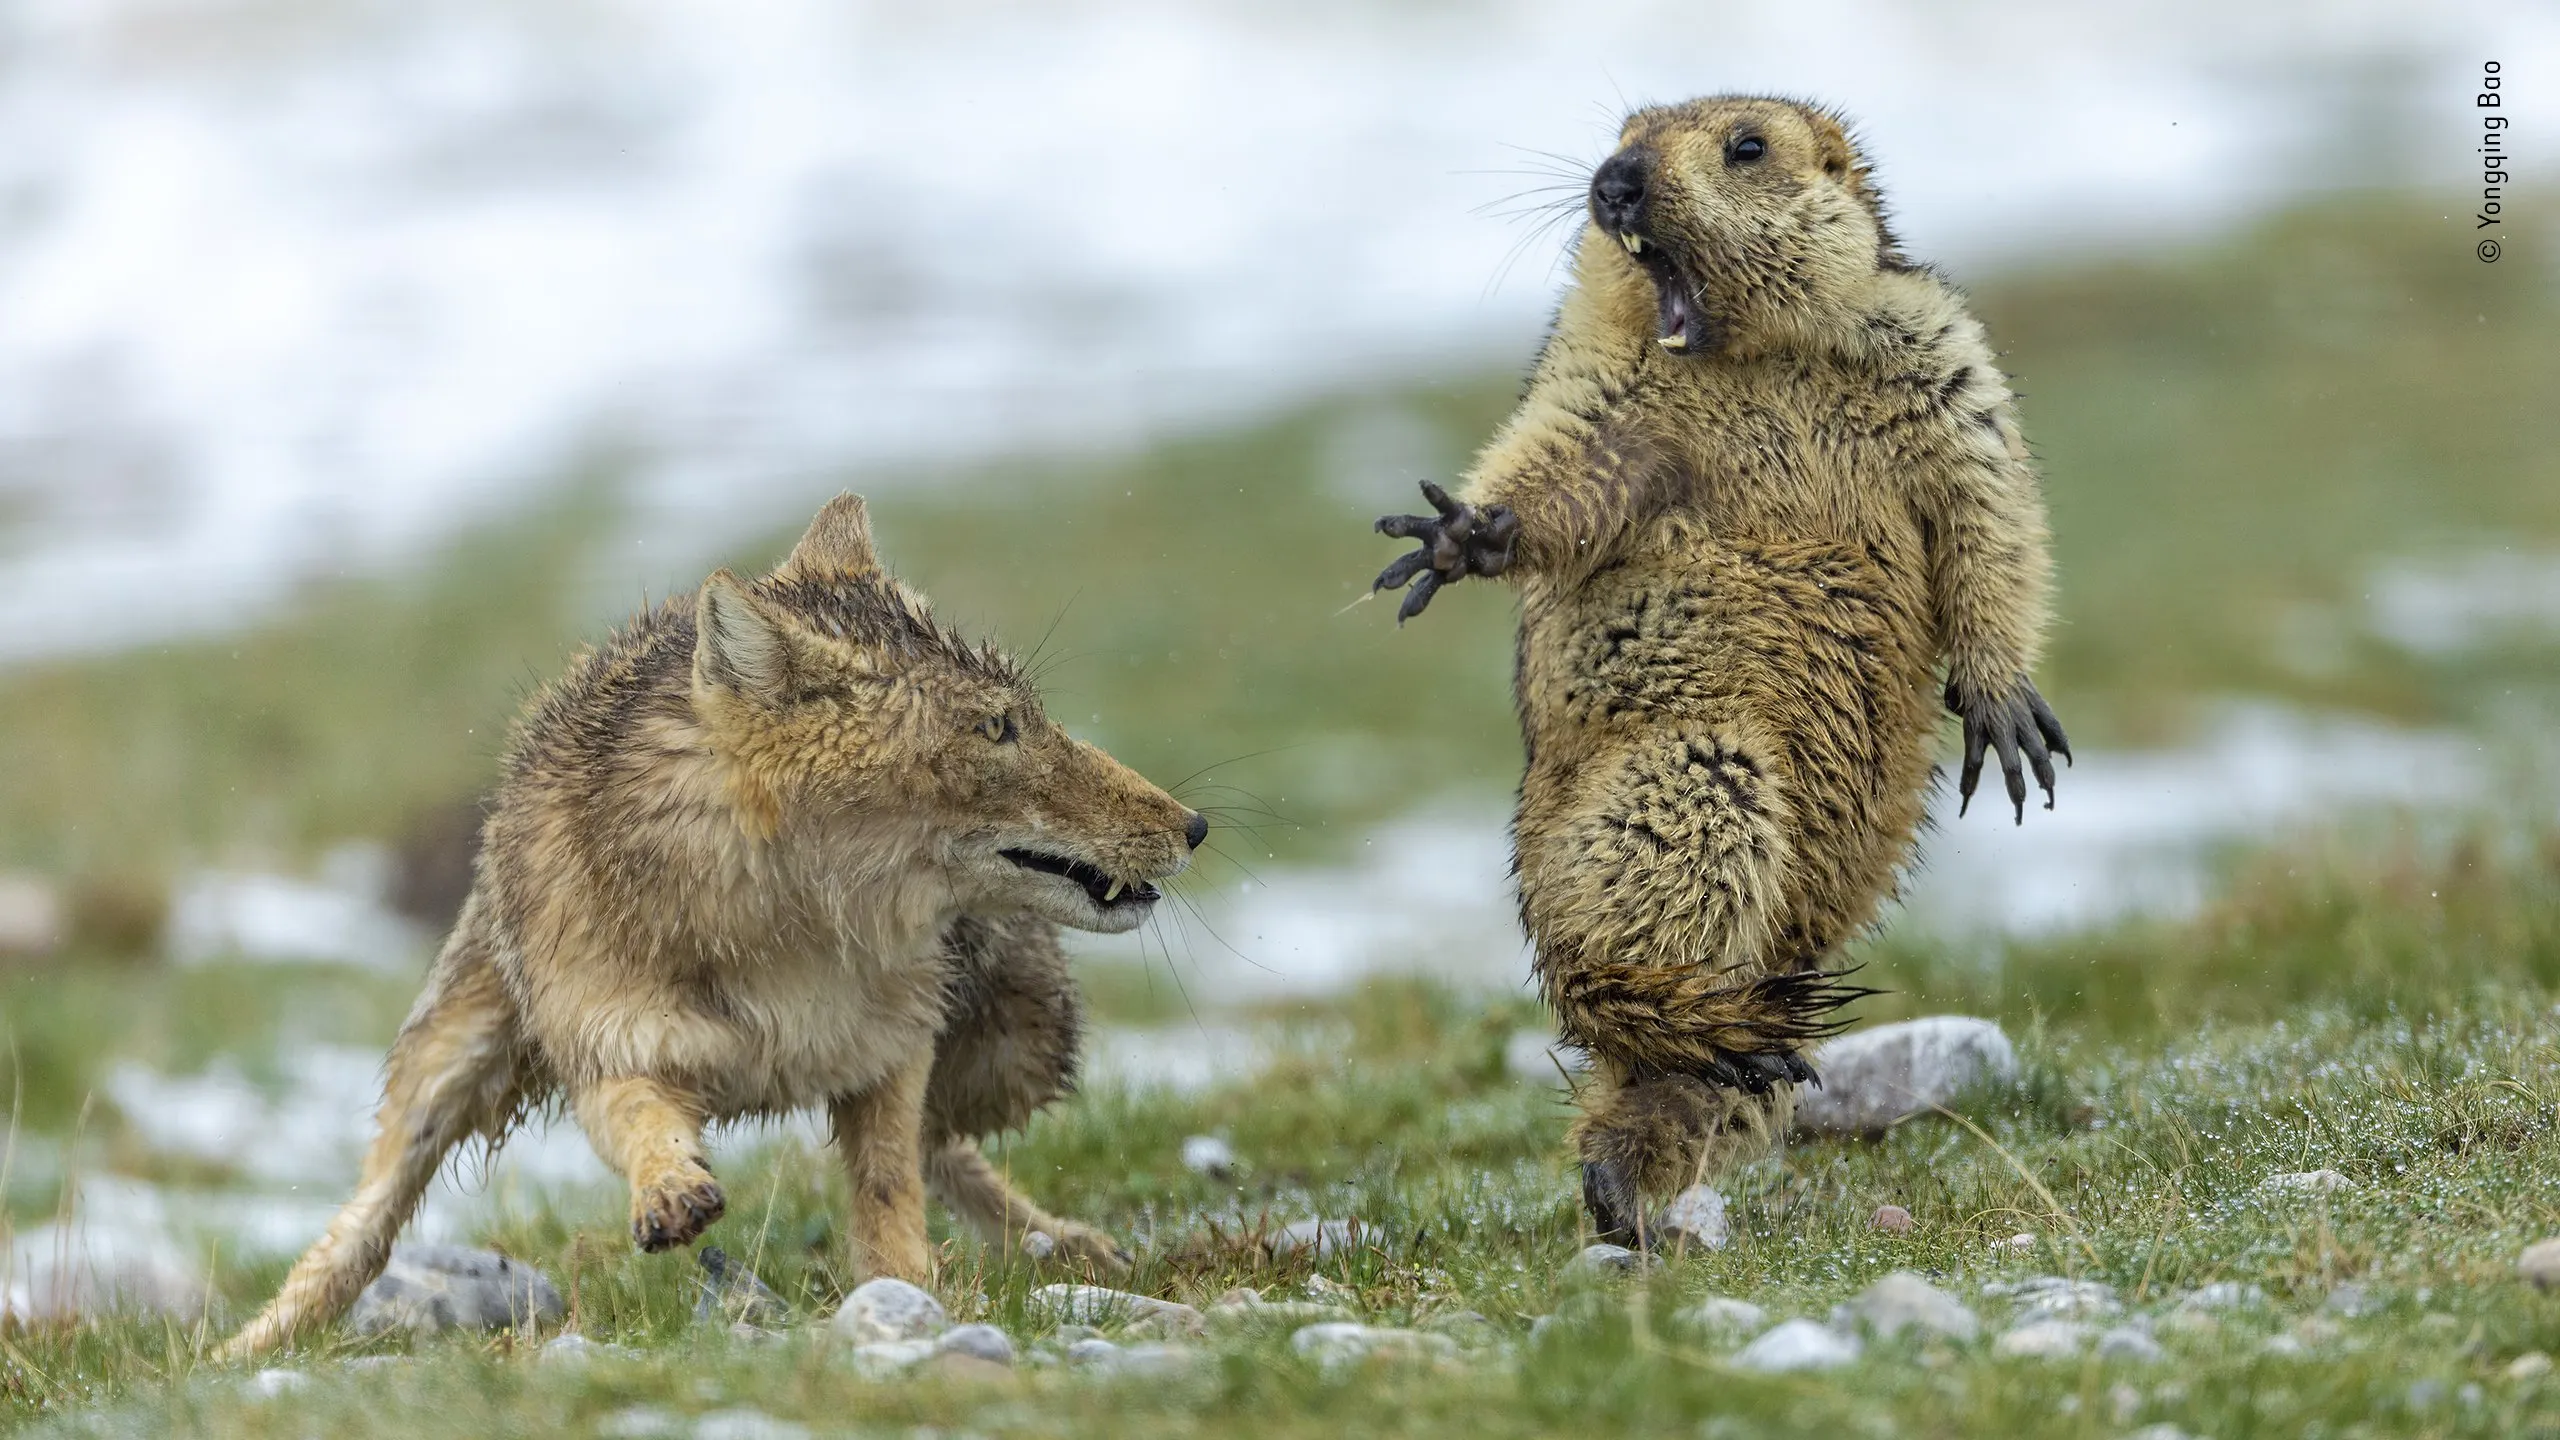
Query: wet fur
(738, 865)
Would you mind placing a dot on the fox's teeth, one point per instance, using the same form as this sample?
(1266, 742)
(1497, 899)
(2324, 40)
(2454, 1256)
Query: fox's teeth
(1114, 892)
(1634, 245)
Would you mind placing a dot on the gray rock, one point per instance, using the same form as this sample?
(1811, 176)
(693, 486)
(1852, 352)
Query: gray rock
(2043, 1340)
(1326, 1237)
(984, 1342)
(1609, 1262)
(1905, 1301)
(1892, 1219)
(1798, 1345)
(431, 1288)
(1096, 1304)
(1104, 1358)
(2052, 1297)
(1210, 1156)
(729, 1293)
(2306, 1182)
(884, 1310)
(1695, 1220)
(2353, 1300)
(1262, 1314)
(1872, 1078)
(2540, 1263)
(2128, 1342)
(1038, 1245)
(1538, 1057)
(1335, 1344)
(2531, 1365)
(745, 1423)
(1721, 1315)
(880, 1359)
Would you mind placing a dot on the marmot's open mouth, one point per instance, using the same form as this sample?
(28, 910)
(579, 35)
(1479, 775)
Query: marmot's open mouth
(1680, 321)
(1107, 891)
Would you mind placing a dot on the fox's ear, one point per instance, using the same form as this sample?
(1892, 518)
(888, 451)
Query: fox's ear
(737, 645)
(838, 542)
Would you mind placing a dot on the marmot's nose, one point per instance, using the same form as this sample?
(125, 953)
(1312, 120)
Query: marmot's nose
(1617, 189)
(1197, 830)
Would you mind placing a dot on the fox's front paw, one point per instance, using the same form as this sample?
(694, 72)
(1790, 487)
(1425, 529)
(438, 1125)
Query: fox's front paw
(673, 1209)
(1081, 1247)
(1460, 541)
(2013, 721)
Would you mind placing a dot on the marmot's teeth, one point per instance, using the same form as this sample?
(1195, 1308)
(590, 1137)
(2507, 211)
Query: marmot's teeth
(1634, 245)
(1675, 342)
(1114, 892)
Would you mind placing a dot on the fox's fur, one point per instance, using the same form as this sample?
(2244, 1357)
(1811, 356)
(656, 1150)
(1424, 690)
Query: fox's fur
(1744, 531)
(763, 849)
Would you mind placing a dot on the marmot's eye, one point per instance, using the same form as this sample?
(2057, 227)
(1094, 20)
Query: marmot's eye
(1746, 150)
(998, 729)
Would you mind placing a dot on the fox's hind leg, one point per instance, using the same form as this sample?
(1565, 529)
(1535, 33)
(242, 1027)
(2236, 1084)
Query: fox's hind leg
(651, 1134)
(881, 1135)
(454, 1072)
(1008, 1048)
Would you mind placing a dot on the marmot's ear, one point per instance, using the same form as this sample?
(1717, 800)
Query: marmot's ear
(838, 542)
(1831, 143)
(738, 645)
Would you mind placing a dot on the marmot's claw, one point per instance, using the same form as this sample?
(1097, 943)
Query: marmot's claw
(1459, 541)
(2016, 724)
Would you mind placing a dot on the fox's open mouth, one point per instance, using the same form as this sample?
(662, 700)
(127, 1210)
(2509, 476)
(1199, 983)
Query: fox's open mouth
(1682, 328)
(1107, 891)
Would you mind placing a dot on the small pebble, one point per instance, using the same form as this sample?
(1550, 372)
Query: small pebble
(2290, 1347)
(1093, 1304)
(1891, 1218)
(2427, 1392)
(1038, 1245)
(2307, 1182)
(2053, 1297)
(2123, 1403)
(1694, 1220)
(1333, 1345)
(2224, 1295)
(640, 1422)
(270, 1383)
(2529, 1365)
(2540, 1263)
(1906, 1301)
(959, 1365)
(1092, 1352)
(1609, 1261)
(1722, 1315)
(887, 1309)
(2043, 1340)
(2127, 1342)
(1327, 1238)
(985, 1342)
(746, 1424)
(2353, 1300)
(1798, 1345)
(1209, 1156)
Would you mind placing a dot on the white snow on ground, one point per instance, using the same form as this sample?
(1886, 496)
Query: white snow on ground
(2445, 607)
(291, 290)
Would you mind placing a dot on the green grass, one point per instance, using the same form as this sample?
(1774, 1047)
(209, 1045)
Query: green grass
(2236, 435)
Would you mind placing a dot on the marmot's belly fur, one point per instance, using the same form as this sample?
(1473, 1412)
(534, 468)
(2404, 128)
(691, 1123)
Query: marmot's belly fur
(1729, 744)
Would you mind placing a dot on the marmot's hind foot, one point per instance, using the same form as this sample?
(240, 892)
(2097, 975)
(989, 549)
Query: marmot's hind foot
(1616, 1210)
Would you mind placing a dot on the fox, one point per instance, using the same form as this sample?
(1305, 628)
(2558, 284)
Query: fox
(777, 844)
(1766, 502)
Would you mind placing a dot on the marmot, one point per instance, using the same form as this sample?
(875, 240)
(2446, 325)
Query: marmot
(1764, 479)
(781, 843)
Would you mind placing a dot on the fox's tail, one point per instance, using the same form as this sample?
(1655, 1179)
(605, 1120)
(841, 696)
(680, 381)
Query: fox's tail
(454, 1073)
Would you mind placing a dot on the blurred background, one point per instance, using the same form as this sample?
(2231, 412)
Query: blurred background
(357, 359)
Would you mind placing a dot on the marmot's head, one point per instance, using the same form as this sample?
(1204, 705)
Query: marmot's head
(1749, 216)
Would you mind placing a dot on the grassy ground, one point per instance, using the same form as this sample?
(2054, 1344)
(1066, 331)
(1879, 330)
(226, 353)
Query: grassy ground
(2236, 435)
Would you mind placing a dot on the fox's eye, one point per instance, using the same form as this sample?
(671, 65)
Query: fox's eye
(998, 729)
(1746, 150)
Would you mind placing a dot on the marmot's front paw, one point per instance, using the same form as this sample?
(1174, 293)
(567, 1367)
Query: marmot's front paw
(673, 1209)
(2014, 721)
(1460, 541)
